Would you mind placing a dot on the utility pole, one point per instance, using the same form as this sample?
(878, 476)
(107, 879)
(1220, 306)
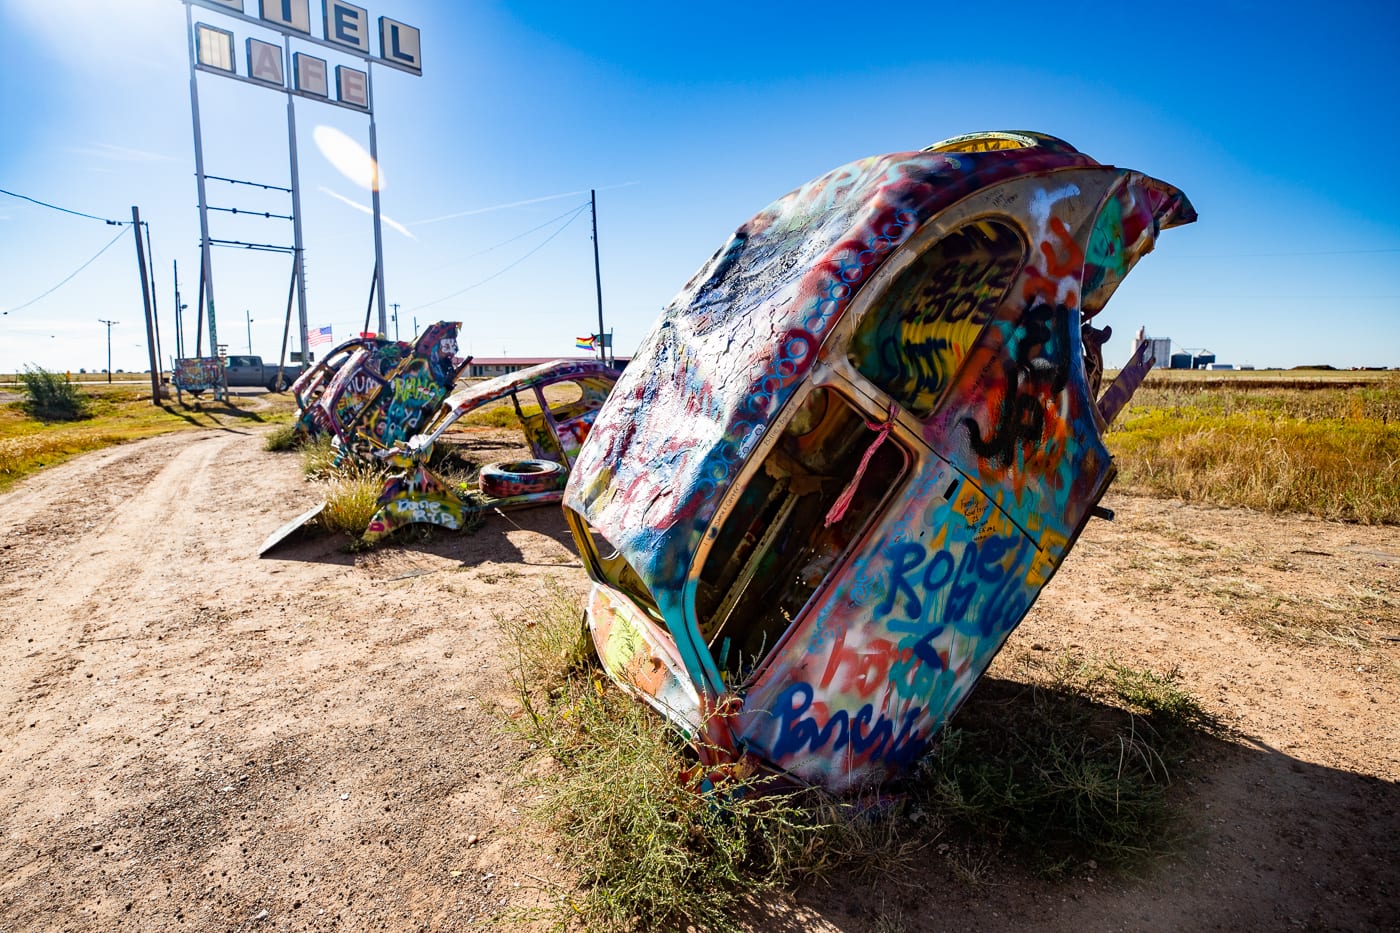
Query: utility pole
(249, 315)
(146, 305)
(179, 322)
(396, 320)
(109, 347)
(206, 266)
(374, 198)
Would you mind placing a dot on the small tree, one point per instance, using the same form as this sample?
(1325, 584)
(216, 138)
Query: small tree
(50, 397)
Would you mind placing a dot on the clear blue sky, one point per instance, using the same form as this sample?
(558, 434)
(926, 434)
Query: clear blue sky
(1279, 120)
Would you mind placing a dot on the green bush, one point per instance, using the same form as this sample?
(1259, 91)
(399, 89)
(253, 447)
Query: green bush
(282, 438)
(648, 844)
(51, 397)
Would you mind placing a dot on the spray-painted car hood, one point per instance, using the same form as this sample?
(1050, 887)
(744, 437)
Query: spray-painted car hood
(933, 305)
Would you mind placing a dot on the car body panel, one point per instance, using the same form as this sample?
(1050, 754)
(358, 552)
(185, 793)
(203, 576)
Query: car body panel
(372, 393)
(554, 431)
(862, 438)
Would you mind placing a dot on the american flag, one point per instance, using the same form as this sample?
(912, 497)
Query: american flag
(319, 336)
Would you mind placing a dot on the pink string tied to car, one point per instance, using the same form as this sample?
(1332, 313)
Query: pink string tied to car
(843, 501)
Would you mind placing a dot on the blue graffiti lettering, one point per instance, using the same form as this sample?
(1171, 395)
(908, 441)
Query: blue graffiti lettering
(984, 588)
(798, 731)
(906, 557)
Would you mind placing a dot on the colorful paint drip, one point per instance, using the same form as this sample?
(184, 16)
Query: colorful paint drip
(857, 445)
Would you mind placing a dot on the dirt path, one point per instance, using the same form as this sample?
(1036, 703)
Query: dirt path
(193, 738)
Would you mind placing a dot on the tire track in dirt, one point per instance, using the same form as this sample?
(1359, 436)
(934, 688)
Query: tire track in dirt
(198, 736)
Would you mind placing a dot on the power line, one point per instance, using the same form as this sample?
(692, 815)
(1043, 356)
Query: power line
(518, 236)
(251, 184)
(22, 197)
(1321, 252)
(71, 275)
(532, 252)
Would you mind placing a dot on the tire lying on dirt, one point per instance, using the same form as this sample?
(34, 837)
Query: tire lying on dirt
(521, 477)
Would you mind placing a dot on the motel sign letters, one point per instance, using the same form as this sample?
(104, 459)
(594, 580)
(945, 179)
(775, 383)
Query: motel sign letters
(344, 26)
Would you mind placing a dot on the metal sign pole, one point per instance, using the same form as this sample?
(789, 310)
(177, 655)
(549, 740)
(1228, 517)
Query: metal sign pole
(374, 198)
(298, 254)
(207, 273)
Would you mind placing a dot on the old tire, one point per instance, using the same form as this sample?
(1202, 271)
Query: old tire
(520, 478)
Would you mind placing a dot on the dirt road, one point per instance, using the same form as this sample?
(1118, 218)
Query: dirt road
(194, 738)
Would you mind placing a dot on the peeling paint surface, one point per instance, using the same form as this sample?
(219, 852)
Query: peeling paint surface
(860, 440)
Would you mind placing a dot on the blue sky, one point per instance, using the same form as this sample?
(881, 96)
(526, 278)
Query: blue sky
(1279, 120)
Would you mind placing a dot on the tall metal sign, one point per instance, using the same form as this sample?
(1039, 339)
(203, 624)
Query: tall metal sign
(345, 29)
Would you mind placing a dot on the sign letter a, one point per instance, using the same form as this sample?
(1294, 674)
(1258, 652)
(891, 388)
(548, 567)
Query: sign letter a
(265, 62)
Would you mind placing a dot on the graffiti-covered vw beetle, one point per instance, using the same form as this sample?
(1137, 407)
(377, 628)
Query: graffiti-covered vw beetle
(857, 445)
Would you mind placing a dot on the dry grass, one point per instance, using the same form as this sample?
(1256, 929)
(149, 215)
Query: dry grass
(1350, 609)
(116, 415)
(1330, 451)
(1068, 761)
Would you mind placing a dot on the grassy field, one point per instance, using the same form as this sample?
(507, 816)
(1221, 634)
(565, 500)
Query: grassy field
(1318, 442)
(116, 414)
(1322, 442)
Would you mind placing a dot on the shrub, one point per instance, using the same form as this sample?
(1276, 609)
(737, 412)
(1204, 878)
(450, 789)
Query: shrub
(282, 438)
(352, 498)
(649, 844)
(51, 397)
(1069, 766)
(318, 457)
(1065, 764)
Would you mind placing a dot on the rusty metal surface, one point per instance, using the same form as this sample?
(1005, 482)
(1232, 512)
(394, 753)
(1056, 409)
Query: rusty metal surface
(859, 442)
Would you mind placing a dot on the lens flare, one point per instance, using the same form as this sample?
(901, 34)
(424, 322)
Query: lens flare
(348, 157)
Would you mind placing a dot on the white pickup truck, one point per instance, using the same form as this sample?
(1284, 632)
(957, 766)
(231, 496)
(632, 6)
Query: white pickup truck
(252, 371)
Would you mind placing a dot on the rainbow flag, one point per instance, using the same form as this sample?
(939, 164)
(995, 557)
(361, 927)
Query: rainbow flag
(586, 343)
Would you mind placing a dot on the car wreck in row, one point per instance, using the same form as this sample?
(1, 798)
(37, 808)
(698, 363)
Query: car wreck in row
(857, 445)
(561, 400)
(383, 402)
(371, 393)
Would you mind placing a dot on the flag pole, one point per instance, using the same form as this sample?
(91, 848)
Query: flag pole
(598, 276)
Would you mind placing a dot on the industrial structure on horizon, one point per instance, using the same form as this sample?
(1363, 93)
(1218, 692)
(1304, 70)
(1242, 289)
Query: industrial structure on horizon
(1160, 349)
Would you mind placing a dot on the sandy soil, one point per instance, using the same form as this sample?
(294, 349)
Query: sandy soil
(196, 738)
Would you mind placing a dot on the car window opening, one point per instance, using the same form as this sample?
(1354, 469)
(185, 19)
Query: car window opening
(774, 548)
(911, 343)
(609, 565)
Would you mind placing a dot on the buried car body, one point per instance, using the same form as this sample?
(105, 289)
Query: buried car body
(554, 428)
(857, 445)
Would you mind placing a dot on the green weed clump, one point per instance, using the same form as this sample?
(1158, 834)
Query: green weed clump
(1070, 763)
(50, 397)
(352, 488)
(649, 844)
(352, 496)
(319, 458)
(1330, 452)
(1067, 764)
(282, 438)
